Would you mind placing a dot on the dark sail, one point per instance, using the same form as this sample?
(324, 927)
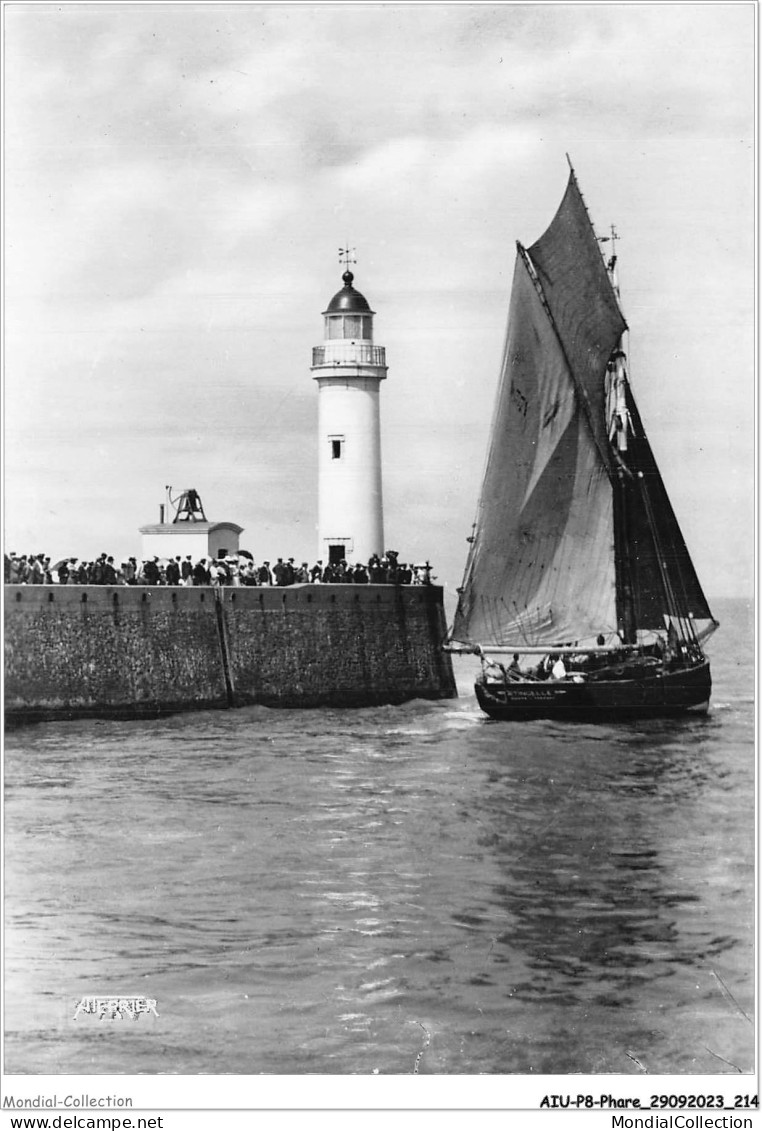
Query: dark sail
(582, 302)
(662, 576)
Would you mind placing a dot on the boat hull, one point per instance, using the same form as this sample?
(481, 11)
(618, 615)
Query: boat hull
(679, 692)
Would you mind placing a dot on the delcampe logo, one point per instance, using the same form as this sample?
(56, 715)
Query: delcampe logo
(115, 1007)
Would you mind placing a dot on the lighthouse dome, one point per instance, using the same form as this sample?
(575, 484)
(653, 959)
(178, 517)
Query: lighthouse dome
(348, 300)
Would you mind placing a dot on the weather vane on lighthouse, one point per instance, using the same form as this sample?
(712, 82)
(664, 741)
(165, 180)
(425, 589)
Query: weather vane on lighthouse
(346, 256)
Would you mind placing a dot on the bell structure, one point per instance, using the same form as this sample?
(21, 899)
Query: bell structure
(349, 370)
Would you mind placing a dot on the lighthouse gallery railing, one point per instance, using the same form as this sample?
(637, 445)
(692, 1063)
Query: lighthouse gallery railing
(348, 353)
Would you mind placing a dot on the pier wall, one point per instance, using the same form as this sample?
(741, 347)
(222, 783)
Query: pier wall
(130, 651)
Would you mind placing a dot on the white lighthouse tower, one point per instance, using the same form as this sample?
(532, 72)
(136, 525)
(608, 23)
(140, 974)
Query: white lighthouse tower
(349, 370)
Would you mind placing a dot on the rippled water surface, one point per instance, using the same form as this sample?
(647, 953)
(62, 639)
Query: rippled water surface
(399, 889)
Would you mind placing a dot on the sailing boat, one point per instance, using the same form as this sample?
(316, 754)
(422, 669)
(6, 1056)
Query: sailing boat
(577, 567)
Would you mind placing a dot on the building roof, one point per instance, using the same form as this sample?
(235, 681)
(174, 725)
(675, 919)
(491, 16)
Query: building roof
(189, 527)
(348, 300)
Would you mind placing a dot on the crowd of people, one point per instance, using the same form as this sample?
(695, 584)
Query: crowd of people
(239, 569)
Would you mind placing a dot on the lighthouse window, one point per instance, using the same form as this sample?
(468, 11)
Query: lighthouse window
(336, 446)
(350, 327)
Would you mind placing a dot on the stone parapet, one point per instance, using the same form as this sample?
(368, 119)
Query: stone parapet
(131, 651)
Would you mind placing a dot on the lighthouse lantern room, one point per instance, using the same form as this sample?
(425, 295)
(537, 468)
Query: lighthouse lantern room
(349, 370)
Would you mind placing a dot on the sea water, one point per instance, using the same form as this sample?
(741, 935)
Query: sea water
(392, 890)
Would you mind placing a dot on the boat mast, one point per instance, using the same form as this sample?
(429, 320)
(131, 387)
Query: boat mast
(625, 602)
(618, 424)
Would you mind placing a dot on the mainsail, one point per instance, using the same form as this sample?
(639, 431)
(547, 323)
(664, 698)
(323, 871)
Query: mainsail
(573, 537)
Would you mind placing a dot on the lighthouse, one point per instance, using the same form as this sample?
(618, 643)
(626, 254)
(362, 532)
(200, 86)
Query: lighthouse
(349, 370)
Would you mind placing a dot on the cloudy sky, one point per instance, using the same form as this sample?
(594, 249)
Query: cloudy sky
(180, 177)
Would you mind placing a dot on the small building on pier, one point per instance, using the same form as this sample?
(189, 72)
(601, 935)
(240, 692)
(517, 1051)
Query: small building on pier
(188, 531)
